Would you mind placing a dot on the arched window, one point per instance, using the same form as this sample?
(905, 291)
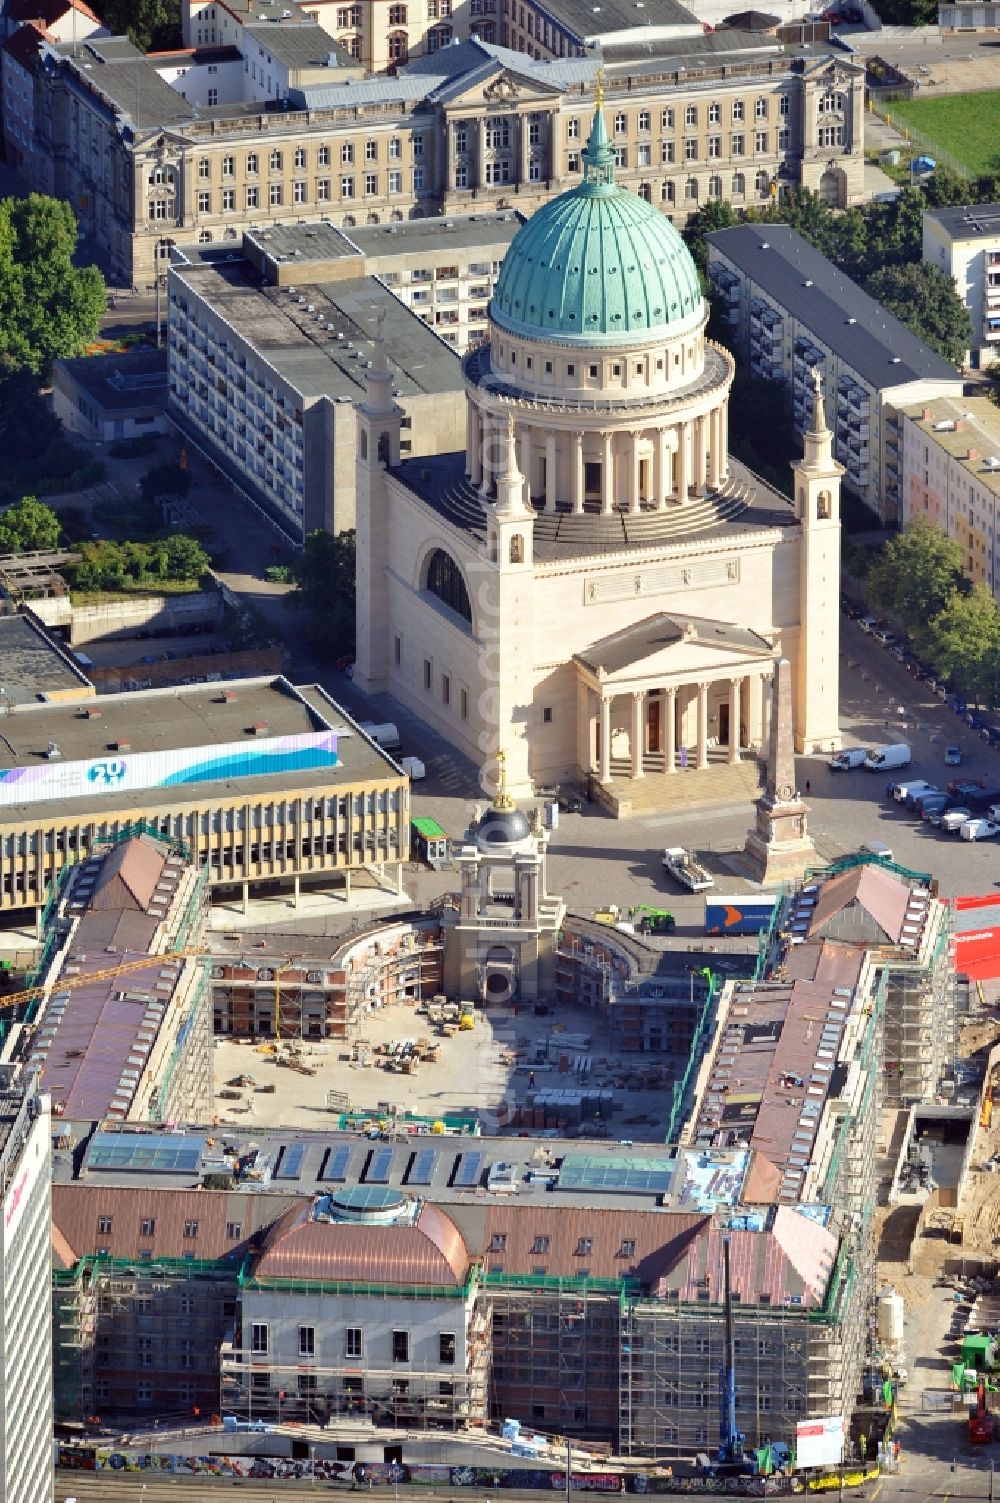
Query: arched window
(517, 549)
(763, 182)
(444, 579)
(397, 15)
(398, 46)
(384, 450)
(715, 186)
(824, 505)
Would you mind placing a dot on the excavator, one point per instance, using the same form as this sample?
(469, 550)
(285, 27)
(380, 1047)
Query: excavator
(980, 1419)
(652, 920)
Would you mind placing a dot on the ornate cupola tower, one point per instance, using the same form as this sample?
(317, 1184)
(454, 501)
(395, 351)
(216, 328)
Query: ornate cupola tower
(379, 423)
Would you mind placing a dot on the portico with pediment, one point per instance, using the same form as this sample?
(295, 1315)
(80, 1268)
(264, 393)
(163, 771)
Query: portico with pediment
(668, 694)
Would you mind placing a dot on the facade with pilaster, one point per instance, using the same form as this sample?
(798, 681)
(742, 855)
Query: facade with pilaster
(467, 128)
(593, 579)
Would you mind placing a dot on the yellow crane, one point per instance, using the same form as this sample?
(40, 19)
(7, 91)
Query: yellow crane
(107, 973)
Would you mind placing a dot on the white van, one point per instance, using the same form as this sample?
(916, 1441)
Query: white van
(883, 758)
(385, 735)
(905, 793)
(844, 761)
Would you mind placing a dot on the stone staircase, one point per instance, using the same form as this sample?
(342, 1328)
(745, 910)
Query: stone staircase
(714, 787)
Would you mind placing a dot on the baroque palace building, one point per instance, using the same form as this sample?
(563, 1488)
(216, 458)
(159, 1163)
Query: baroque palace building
(593, 578)
(191, 149)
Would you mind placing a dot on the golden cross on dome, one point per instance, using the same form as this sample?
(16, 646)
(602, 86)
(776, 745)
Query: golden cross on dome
(502, 799)
(599, 95)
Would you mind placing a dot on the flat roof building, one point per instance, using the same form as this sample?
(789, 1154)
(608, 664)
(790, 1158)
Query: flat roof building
(792, 311)
(964, 242)
(107, 398)
(264, 375)
(260, 781)
(35, 667)
(951, 475)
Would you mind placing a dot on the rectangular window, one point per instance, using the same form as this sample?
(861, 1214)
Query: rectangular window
(573, 130)
(347, 187)
(739, 145)
(667, 120)
(446, 1347)
(147, 1226)
(714, 146)
(397, 650)
(445, 689)
(204, 169)
(253, 198)
(691, 114)
(347, 154)
(213, 97)
(306, 1384)
(252, 161)
(400, 1346)
(228, 166)
(738, 110)
(275, 195)
(307, 1341)
(428, 673)
(204, 203)
(584, 1247)
(395, 182)
(760, 140)
(104, 1224)
(395, 148)
(298, 193)
(352, 1343)
(323, 157)
(644, 155)
(371, 184)
(323, 190)
(418, 146)
(371, 151)
(690, 151)
(784, 104)
(228, 200)
(714, 114)
(234, 1230)
(300, 156)
(463, 701)
(666, 152)
(760, 110)
(418, 178)
(547, 714)
(258, 1339)
(190, 1228)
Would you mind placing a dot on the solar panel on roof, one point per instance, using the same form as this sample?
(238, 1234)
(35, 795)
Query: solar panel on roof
(421, 1169)
(336, 1167)
(152, 1153)
(470, 1167)
(379, 1165)
(636, 1176)
(290, 1166)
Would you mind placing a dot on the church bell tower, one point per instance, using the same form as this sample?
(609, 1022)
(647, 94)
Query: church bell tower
(817, 506)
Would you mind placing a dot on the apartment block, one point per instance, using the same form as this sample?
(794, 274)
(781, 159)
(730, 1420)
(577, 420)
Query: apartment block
(153, 155)
(26, 1471)
(951, 475)
(964, 242)
(791, 312)
(267, 356)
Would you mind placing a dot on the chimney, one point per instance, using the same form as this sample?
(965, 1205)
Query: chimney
(259, 728)
(927, 416)
(959, 425)
(972, 455)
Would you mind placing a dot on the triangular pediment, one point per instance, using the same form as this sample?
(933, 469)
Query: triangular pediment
(496, 86)
(670, 645)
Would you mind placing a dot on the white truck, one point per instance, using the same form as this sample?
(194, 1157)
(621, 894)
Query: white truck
(687, 871)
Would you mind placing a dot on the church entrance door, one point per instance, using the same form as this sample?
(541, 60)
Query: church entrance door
(644, 479)
(724, 724)
(653, 724)
(592, 480)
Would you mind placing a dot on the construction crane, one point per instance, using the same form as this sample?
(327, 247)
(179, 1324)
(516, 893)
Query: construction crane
(14, 1000)
(732, 1441)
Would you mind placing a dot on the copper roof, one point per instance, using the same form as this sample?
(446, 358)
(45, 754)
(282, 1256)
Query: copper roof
(567, 1241)
(225, 1221)
(429, 1251)
(128, 875)
(790, 1264)
(881, 894)
(831, 962)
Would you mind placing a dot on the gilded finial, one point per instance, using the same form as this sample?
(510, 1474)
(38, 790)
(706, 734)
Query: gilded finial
(599, 95)
(502, 799)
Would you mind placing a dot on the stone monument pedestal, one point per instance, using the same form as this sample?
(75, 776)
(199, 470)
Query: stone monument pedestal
(779, 848)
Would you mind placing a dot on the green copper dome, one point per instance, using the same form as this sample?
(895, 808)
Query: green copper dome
(598, 264)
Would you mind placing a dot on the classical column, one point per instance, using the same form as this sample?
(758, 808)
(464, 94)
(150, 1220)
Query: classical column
(668, 736)
(577, 473)
(702, 725)
(475, 445)
(637, 738)
(550, 472)
(525, 125)
(735, 686)
(661, 469)
(450, 164)
(724, 440)
(699, 454)
(527, 460)
(481, 153)
(486, 454)
(633, 467)
(714, 463)
(607, 476)
(683, 461)
(755, 710)
(604, 761)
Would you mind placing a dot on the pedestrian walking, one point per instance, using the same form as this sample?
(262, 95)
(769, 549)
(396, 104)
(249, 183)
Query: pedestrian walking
(808, 787)
(531, 1080)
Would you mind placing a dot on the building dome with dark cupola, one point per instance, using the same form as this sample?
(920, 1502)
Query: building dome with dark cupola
(596, 265)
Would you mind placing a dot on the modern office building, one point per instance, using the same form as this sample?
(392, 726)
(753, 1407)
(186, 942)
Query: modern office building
(155, 153)
(964, 242)
(267, 357)
(26, 1470)
(951, 475)
(792, 312)
(259, 781)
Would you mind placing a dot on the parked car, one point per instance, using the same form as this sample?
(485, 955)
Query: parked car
(899, 652)
(885, 758)
(992, 734)
(979, 829)
(980, 801)
(883, 636)
(951, 820)
(953, 756)
(868, 623)
(974, 720)
(965, 787)
(916, 786)
(956, 702)
(930, 802)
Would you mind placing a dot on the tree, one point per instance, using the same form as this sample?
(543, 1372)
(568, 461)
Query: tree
(28, 525)
(916, 573)
(164, 480)
(717, 214)
(964, 641)
(325, 573)
(185, 557)
(945, 188)
(924, 298)
(48, 306)
(151, 25)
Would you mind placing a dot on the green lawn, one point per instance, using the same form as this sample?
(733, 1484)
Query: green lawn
(967, 125)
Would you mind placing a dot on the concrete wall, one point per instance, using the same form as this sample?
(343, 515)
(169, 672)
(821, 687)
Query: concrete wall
(126, 616)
